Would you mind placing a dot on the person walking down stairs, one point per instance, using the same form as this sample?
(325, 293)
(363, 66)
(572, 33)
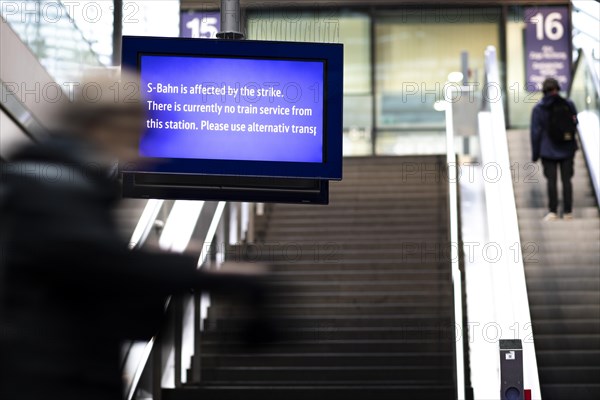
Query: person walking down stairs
(553, 129)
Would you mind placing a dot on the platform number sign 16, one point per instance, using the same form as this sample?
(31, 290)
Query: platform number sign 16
(199, 25)
(547, 46)
(549, 26)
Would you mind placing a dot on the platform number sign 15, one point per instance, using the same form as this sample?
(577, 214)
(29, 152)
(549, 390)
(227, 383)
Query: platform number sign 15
(547, 46)
(199, 25)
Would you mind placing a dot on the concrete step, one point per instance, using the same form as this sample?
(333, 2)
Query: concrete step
(555, 257)
(539, 191)
(351, 236)
(368, 286)
(583, 213)
(565, 297)
(532, 221)
(324, 359)
(381, 229)
(334, 261)
(559, 391)
(532, 175)
(522, 154)
(338, 260)
(337, 334)
(538, 271)
(567, 358)
(422, 391)
(430, 307)
(567, 233)
(569, 327)
(384, 161)
(396, 194)
(332, 250)
(570, 374)
(520, 159)
(582, 342)
(417, 346)
(375, 274)
(388, 184)
(590, 245)
(570, 283)
(369, 269)
(329, 375)
(353, 220)
(542, 203)
(312, 246)
(378, 297)
(364, 211)
(422, 205)
(334, 322)
(591, 225)
(565, 312)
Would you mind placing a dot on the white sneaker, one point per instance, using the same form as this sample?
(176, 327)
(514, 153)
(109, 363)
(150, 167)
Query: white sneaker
(568, 216)
(551, 217)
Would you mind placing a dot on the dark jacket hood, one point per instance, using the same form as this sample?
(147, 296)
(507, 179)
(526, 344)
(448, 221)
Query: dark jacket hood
(549, 99)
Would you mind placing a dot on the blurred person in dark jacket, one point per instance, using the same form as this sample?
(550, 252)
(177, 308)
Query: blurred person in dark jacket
(70, 290)
(553, 129)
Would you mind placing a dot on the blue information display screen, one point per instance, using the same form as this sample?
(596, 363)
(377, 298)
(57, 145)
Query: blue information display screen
(242, 109)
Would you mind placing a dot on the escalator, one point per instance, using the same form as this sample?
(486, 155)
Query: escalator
(562, 258)
(363, 295)
(562, 267)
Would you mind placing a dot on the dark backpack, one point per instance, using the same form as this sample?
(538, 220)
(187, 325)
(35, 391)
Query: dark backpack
(562, 125)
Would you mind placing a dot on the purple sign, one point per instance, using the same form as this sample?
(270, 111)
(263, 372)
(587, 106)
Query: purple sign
(199, 24)
(233, 108)
(547, 46)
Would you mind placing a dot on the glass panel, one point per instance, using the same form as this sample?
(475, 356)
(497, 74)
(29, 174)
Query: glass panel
(358, 123)
(49, 31)
(355, 33)
(406, 143)
(415, 55)
(583, 93)
(95, 21)
(327, 25)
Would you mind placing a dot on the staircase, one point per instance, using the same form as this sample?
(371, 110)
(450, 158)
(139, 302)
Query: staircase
(562, 267)
(364, 296)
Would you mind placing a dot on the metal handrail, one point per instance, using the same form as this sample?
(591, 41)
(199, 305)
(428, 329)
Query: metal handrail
(454, 250)
(146, 223)
(509, 291)
(174, 240)
(217, 226)
(491, 216)
(589, 119)
(212, 231)
(138, 239)
(593, 71)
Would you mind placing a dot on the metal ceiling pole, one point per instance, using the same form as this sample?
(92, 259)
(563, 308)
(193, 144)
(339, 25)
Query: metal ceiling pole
(230, 20)
(117, 31)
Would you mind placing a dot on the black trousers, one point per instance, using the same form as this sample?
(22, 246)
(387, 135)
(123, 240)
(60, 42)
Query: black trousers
(566, 173)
